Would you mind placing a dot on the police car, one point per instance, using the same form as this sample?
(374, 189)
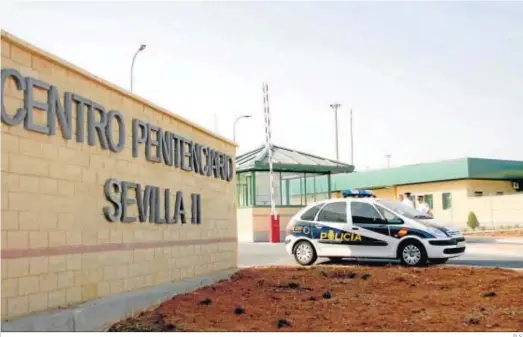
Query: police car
(363, 226)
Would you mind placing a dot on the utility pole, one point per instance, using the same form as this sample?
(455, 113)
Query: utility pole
(351, 140)
(335, 107)
(388, 160)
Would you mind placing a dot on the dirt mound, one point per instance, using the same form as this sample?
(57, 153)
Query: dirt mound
(340, 298)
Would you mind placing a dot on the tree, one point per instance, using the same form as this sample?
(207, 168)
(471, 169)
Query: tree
(472, 221)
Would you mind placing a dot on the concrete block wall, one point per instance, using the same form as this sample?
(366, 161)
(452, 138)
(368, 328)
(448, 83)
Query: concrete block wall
(57, 248)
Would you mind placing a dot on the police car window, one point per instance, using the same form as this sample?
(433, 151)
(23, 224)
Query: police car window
(334, 212)
(310, 214)
(388, 215)
(363, 212)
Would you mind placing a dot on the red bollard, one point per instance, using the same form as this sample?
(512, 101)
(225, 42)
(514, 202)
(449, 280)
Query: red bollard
(275, 228)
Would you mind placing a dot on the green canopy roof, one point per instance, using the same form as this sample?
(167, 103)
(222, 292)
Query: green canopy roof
(287, 160)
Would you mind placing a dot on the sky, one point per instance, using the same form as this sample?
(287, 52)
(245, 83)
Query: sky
(426, 81)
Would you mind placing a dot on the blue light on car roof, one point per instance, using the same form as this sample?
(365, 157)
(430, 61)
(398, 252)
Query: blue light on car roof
(357, 193)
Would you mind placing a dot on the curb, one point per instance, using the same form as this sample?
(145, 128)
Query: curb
(490, 239)
(483, 250)
(511, 241)
(475, 266)
(99, 314)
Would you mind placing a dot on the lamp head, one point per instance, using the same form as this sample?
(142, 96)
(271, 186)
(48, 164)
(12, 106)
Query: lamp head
(142, 47)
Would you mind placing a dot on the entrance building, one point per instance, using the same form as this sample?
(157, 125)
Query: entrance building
(299, 179)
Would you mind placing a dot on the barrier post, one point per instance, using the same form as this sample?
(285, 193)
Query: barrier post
(274, 229)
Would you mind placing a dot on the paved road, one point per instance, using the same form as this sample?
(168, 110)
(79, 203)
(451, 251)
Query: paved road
(483, 253)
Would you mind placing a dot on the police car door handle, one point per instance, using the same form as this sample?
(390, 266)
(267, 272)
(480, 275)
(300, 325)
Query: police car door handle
(355, 228)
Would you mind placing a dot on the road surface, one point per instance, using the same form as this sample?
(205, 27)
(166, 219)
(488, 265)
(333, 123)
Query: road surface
(480, 252)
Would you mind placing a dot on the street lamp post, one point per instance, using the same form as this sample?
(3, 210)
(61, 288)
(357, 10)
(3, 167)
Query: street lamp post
(234, 126)
(351, 140)
(388, 160)
(335, 107)
(142, 47)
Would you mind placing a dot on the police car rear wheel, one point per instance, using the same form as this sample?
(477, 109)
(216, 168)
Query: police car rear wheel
(413, 254)
(304, 253)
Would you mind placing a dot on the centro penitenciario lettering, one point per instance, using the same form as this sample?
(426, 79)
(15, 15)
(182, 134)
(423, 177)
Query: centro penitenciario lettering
(107, 128)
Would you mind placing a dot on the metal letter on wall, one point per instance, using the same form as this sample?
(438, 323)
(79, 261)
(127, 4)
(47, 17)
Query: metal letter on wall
(110, 185)
(20, 85)
(107, 129)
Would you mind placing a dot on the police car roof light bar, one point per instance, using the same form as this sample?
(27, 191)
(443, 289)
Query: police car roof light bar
(357, 193)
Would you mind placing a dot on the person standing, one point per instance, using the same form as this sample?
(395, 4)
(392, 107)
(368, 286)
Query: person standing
(407, 200)
(423, 206)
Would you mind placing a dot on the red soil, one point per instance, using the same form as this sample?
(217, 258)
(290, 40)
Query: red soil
(361, 299)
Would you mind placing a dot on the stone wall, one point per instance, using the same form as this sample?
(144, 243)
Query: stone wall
(59, 246)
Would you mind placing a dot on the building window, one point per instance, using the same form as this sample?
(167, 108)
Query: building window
(304, 188)
(244, 189)
(478, 193)
(290, 189)
(429, 199)
(446, 200)
(262, 188)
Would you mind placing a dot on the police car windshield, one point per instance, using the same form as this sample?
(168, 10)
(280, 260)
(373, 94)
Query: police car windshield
(403, 209)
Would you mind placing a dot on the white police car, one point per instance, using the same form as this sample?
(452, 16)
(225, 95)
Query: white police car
(362, 226)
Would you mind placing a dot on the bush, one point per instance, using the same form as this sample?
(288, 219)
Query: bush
(472, 221)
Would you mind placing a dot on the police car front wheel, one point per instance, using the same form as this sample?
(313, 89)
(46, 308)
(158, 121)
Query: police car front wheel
(304, 253)
(413, 254)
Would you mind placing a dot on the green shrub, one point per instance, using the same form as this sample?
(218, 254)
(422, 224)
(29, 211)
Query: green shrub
(472, 221)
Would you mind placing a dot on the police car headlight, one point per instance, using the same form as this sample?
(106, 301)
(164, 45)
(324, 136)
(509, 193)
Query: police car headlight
(436, 232)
